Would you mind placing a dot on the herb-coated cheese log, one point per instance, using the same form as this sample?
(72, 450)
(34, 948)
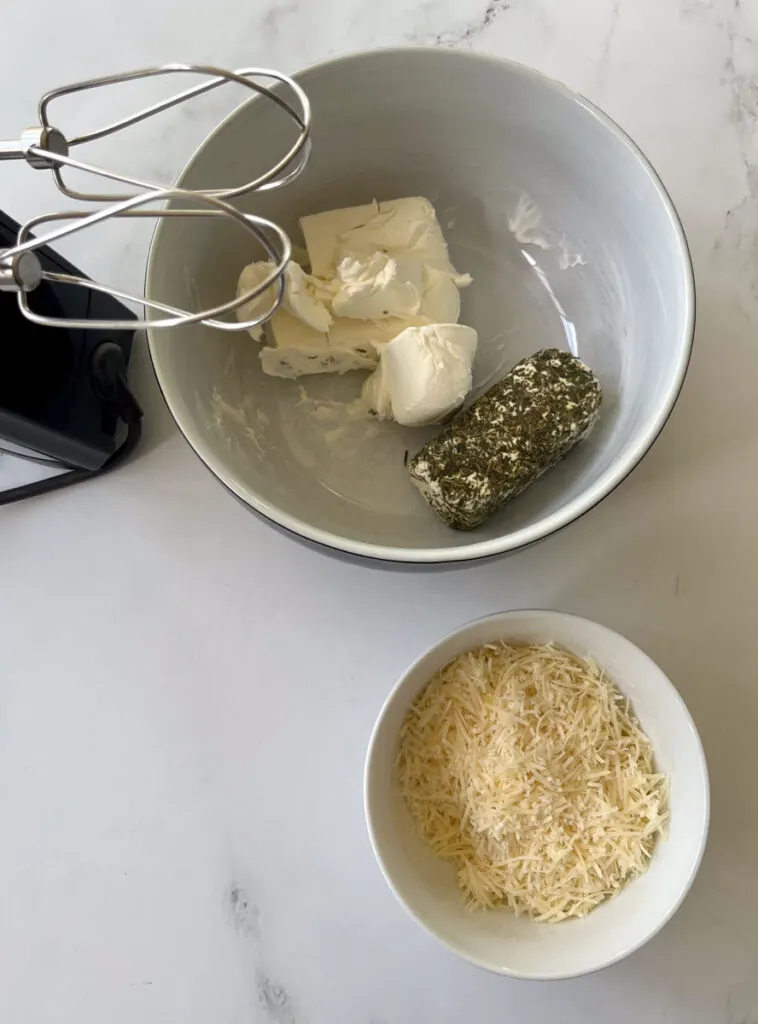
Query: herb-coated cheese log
(516, 431)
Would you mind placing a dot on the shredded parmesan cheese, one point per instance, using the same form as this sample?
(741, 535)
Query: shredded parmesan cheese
(526, 768)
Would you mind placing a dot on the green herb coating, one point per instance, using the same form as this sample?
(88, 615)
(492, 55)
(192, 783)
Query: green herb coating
(501, 444)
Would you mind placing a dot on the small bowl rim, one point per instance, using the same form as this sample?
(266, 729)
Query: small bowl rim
(547, 616)
(525, 536)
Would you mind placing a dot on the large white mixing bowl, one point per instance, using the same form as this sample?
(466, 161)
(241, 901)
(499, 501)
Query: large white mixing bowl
(570, 237)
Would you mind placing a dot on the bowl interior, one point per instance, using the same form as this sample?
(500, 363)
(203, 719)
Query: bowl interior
(496, 939)
(566, 231)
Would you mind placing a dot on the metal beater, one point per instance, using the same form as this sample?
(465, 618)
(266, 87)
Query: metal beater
(44, 147)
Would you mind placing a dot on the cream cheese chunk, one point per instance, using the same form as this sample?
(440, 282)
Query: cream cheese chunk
(299, 350)
(424, 374)
(378, 287)
(382, 295)
(305, 296)
(397, 227)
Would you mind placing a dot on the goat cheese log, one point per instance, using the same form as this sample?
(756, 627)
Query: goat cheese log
(518, 429)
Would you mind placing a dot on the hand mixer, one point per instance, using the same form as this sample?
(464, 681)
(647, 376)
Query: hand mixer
(45, 147)
(77, 427)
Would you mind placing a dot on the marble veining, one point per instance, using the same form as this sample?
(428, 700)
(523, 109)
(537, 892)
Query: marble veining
(247, 917)
(468, 31)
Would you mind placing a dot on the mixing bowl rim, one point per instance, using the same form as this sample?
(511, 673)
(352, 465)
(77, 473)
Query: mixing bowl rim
(548, 617)
(525, 535)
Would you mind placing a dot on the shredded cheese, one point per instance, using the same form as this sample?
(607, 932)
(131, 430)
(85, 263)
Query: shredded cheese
(526, 768)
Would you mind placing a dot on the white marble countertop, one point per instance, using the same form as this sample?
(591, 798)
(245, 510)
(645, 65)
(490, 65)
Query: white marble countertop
(181, 743)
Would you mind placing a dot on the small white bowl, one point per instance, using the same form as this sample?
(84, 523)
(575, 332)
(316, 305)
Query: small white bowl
(496, 940)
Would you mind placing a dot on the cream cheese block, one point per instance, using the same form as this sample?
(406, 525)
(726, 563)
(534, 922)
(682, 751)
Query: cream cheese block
(296, 350)
(397, 227)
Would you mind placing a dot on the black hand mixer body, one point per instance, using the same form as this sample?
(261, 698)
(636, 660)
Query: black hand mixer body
(49, 404)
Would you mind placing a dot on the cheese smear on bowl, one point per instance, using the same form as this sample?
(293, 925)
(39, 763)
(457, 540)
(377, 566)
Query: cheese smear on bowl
(380, 274)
